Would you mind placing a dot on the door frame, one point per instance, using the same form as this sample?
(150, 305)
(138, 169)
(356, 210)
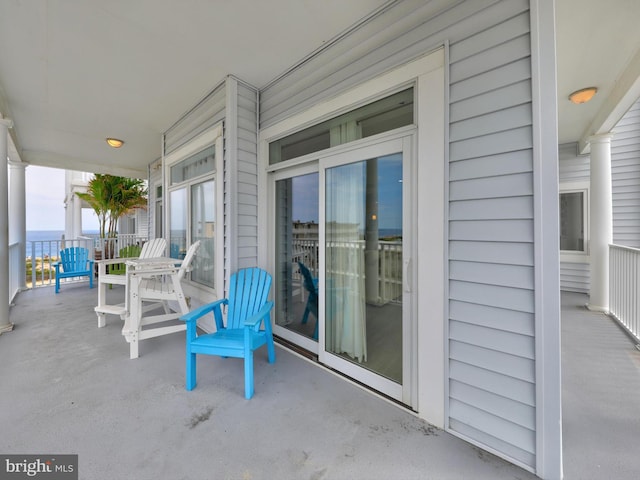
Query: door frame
(401, 141)
(428, 73)
(283, 174)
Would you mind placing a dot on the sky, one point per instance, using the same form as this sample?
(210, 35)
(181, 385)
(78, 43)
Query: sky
(44, 190)
(44, 193)
(305, 194)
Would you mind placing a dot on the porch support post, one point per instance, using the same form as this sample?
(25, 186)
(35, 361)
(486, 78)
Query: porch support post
(77, 215)
(601, 224)
(5, 325)
(372, 242)
(18, 216)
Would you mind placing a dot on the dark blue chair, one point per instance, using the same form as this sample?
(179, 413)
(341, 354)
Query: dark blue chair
(311, 286)
(248, 326)
(74, 262)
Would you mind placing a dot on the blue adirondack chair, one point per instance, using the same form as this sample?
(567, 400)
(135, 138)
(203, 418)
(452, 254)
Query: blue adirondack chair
(74, 262)
(311, 286)
(248, 325)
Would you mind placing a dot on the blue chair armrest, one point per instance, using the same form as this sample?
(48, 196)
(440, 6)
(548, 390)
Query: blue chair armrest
(254, 320)
(195, 314)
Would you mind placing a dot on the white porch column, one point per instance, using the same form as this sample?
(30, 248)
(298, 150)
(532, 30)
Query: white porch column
(5, 325)
(18, 215)
(77, 215)
(372, 243)
(601, 221)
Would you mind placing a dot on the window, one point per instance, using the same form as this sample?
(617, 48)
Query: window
(193, 204)
(574, 220)
(380, 116)
(158, 211)
(201, 163)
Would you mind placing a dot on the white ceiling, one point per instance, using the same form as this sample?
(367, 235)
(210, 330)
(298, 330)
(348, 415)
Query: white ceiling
(73, 72)
(598, 44)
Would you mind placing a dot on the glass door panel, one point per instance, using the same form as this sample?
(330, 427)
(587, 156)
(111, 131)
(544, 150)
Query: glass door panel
(178, 223)
(296, 272)
(203, 227)
(363, 247)
(342, 250)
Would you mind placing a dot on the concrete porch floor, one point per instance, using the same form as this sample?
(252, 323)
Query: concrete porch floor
(69, 387)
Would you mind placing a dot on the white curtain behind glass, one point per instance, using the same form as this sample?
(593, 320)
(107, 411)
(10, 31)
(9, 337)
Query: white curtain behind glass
(345, 282)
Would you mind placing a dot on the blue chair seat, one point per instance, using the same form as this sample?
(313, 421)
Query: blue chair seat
(226, 342)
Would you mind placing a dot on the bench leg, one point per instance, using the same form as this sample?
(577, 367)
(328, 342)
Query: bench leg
(133, 346)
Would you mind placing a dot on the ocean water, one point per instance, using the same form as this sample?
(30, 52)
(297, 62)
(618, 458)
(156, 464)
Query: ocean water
(47, 242)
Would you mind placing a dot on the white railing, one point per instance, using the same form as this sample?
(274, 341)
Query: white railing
(389, 261)
(109, 247)
(624, 287)
(390, 270)
(14, 270)
(42, 255)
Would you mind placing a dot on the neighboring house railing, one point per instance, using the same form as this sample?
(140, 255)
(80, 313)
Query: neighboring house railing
(624, 287)
(109, 247)
(42, 254)
(389, 263)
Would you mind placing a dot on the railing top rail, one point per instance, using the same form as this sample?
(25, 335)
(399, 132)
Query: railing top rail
(624, 247)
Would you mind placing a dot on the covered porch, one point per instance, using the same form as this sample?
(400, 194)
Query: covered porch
(490, 87)
(74, 390)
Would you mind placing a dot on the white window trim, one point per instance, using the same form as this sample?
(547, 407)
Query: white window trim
(211, 137)
(570, 256)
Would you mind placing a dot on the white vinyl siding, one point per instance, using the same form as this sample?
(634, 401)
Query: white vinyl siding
(625, 179)
(491, 231)
(572, 167)
(491, 340)
(207, 113)
(155, 180)
(241, 174)
(575, 275)
(235, 104)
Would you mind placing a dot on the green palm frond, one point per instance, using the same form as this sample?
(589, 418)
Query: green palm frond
(111, 197)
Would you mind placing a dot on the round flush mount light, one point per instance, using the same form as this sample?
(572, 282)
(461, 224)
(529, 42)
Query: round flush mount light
(115, 142)
(583, 95)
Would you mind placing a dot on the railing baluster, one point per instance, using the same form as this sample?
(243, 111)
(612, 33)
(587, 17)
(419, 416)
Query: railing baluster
(50, 250)
(624, 282)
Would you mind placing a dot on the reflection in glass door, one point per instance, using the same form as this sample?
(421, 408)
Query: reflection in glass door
(364, 264)
(296, 272)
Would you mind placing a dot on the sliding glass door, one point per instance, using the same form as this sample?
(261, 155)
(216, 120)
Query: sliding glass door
(297, 256)
(342, 245)
(365, 264)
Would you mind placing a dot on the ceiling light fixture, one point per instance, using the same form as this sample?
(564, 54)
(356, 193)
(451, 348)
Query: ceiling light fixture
(583, 95)
(115, 142)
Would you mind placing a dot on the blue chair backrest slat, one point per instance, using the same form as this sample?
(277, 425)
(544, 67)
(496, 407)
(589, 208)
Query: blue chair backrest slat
(74, 259)
(248, 292)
